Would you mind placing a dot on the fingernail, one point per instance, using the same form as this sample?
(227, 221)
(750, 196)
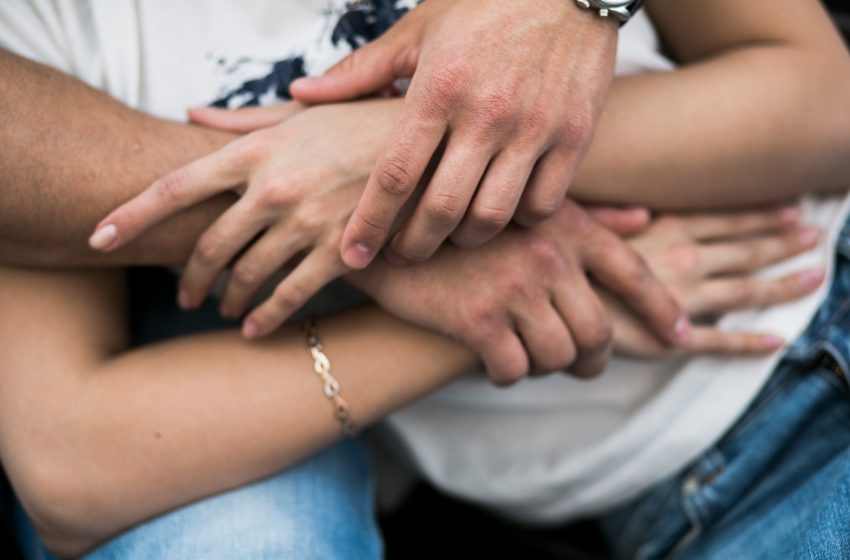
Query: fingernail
(772, 342)
(811, 278)
(790, 214)
(809, 235)
(250, 329)
(103, 237)
(682, 330)
(358, 255)
(184, 300)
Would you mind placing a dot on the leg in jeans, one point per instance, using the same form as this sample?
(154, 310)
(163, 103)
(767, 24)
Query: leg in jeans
(778, 484)
(320, 509)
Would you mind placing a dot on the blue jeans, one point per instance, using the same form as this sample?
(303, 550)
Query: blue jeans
(320, 509)
(778, 484)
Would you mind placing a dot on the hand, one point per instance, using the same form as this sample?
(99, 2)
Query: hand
(524, 297)
(708, 261)
(504, 94)
(299, 181)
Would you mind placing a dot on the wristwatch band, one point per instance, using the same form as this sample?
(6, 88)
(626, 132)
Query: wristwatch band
(622, 11)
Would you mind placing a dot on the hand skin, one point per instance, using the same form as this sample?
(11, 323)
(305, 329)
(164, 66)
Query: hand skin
(298, 183)
(96, 437)
(504, 94)
(525, 296)
(708, 261)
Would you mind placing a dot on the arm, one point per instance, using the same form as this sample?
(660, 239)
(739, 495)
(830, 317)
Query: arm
(759, 112)
(70, 154)
(96, 438)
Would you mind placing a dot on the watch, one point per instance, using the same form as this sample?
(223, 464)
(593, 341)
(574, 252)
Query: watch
(623, 10)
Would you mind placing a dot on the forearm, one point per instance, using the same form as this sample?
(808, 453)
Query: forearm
(70, 155)
(130, 437)
(760, 124)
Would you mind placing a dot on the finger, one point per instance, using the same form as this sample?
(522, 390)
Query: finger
(710, 340)
(504, 357)
(588, 322)
(316, 270)
(168, 195)
(620, 269)
(547, 338)
(443, 204)
(496, 200)
(367, 70)
(728, 294)
(391, 184)
(622, 221)
(215, 249)
(265, 257)
(546, 188)
(753, 254)
(737, 224)
(246, 119)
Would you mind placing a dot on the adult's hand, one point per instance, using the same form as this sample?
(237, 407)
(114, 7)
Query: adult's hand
(709, 262)
(504, 94)
(524, 298)
(298, 183)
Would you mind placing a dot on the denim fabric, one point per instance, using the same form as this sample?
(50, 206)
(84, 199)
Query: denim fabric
(321, 509)
(778, 484)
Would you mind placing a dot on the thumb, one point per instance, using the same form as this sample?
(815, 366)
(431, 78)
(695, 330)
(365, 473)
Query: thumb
(367, 70)
(622, 221)
(246, 119)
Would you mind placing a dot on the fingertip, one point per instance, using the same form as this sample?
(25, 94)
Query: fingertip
(104, 238)
(771, 342)
(250, 329)
(811, 278)
(358, 255)
(682, 330)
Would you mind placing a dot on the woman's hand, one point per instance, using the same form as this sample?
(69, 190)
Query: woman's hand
(299, 182)
(523, 299)
(709, 261)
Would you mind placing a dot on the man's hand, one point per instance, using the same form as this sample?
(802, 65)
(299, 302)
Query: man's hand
(505, 95)
(709, 261)
(524, 298)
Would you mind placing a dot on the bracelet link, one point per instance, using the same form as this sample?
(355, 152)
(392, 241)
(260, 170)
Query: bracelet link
(331, 388)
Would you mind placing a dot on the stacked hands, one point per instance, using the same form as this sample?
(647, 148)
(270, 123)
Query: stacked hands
(559, 295)
(472, 147)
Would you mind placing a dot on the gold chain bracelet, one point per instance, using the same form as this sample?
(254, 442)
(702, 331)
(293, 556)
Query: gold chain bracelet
(322, 368)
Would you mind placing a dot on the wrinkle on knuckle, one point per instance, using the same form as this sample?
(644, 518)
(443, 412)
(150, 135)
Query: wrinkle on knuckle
(245, 275)
(395, 178)
(208, 251)
(288, 297)
(444, 211)
(490, 218)
(172, 187)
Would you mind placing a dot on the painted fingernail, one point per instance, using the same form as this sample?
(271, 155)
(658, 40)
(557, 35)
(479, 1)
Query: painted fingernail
(790, 214)
(250, 329)
(184, 300)
(682, 330)
(103, 237)
(772, 342)
(358, 255)
(811, 278)
(809, 235)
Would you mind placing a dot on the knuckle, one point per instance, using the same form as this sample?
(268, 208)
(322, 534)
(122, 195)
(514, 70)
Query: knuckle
(684, 258)
(637, 274)
(545, 252)
(246, 275)
(208, 250)
(576, 130)
(307, 220)
(172, 187)
(289, 297)
(490, 218)
(394, 177)
(495, 109)
(276, 195)
(445, 211)
(447, 85)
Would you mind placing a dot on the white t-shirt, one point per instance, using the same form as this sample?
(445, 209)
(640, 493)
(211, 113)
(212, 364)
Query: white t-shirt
(546, 450)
